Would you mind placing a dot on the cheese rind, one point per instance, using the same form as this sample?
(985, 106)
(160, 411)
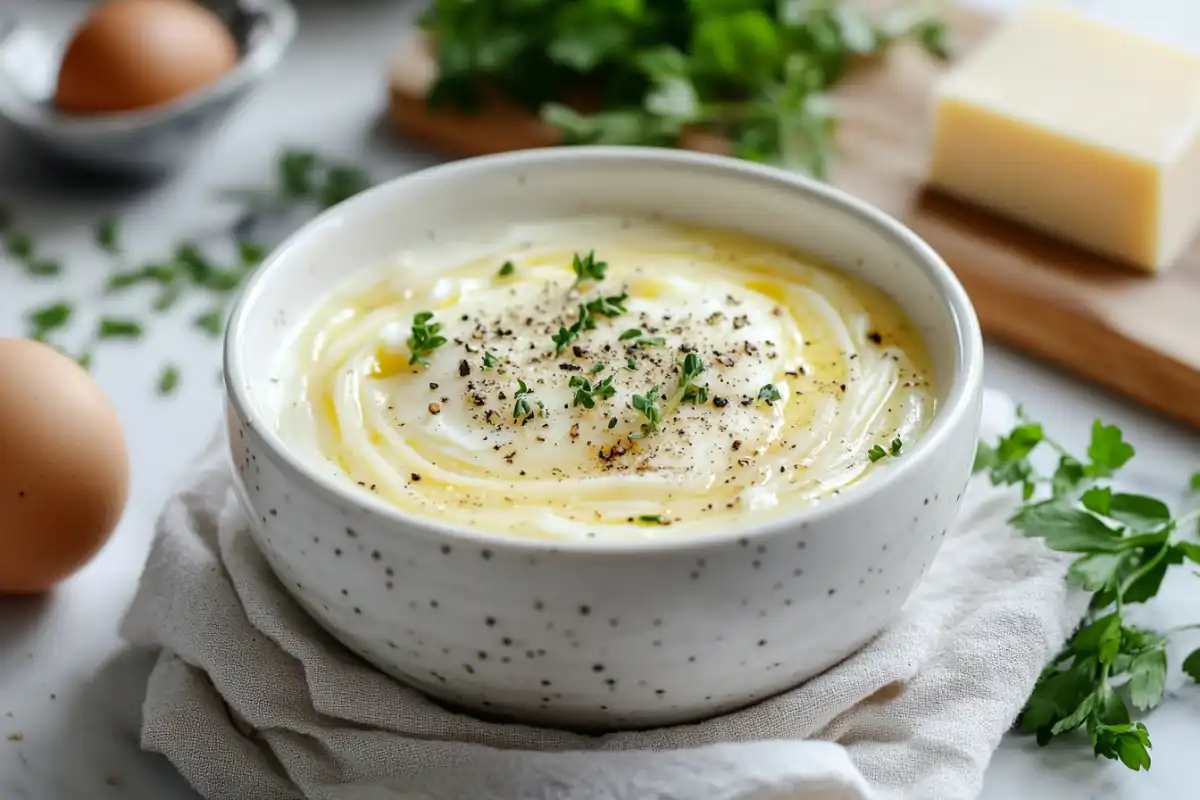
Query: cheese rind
(1083, 131)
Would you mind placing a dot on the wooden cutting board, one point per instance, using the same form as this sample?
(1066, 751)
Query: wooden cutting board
(1136, 334)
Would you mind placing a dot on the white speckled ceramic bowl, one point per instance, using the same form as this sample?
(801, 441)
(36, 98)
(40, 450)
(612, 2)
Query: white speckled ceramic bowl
(601, 634)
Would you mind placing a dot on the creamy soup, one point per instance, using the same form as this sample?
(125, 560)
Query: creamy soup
(605, 378)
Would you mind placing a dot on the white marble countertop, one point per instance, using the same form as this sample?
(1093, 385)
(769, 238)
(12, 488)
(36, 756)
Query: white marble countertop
(70, 715)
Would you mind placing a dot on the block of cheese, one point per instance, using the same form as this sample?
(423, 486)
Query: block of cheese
(1079, 129)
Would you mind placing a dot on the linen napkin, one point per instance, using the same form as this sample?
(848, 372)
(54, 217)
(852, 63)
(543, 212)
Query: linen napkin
(249, 699)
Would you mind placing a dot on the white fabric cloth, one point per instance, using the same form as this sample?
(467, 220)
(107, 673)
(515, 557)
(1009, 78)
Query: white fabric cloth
(250, 699)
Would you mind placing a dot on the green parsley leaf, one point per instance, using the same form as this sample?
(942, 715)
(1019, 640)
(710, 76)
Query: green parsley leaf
(48, 319)
(106, 235)
(168, 380)
(1148, 679)
(19, 245)
(296, 173)
(1108, 450)
(151, 273)
(631, 333)
(769, 394)
(490, 362)
(425, 338)
(1191, 665)
(1066, 529)
(118, 328)
(43, 268)
(875, 453)
(631, 364)
(651, 519)
(251, 254)
(506, 269)
(211, 322)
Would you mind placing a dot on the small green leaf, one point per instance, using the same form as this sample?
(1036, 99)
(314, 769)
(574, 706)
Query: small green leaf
(769, 394)
(1095, 571)
(168, 380)
(211, 322)
(43, 268)
(506, 269)
(106, 235)
(1108, 450)
(1139, 512)
(1191, 665)
(1194, 482)
(49, 318)
(1101, 638)
(1147, 679)
(651, 519)
(985, 457)
(1066, 529)
(251, 254)
(118, 328)
(875, 453)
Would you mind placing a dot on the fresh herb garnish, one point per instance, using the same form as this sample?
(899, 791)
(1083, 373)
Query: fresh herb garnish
(876, 452)
(19, 245)
(43, 268)
(754, 71)
(608, 306)
(106, 235)
(523, 408)
(597, 367)
(631, 333)
(490, 362)
(651, 519)
(587, 268)
(211, 322)
(769, 394)
(640, 339)
(506, 269)
(1125, 543)
(689, 391)
(631, 364)
(648, 406)
(586, 394)
(48, 319)
(251, 254)
(567, 335)
(168, 380)
(425, 338)
(118, 328)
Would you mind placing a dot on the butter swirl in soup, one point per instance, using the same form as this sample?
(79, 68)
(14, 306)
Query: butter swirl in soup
(600, 378)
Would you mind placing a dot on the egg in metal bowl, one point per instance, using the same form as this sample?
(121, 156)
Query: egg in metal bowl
(602, 437)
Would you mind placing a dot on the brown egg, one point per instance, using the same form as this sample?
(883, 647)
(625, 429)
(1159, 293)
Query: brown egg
(64, 470)
(132, 54)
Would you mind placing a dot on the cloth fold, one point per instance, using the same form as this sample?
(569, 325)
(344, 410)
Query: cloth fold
(251, 699)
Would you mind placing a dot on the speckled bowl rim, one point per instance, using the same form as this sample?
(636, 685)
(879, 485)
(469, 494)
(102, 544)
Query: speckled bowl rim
(965, 386)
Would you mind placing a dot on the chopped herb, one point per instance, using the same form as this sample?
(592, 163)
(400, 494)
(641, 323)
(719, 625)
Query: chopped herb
(19, 245)
(48, 319)
(506, 269)
(523, 409)
(118, 328)
(43, 268)
(650, 341)
(769, 394)
(296, 170)
(597, 367)
(688, 391)
(631, 364)
(586, 394)
(251, 254)
(425, 338)
(632, 333)
(106, 235)
(876, 452)
(587, 268)
(490, 362)
(224, 280)
(608, 306)
(151, 273)
(567, 335)
(190, 259)
(648, 406)
(341, 183)
(169, 296)
(168, 380)
(211, 322)
(651, 519)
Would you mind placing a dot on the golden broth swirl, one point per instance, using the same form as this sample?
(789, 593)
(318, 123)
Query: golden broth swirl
(567, 408)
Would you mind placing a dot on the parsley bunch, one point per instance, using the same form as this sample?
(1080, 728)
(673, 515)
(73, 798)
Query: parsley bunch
(1125, 543)
(752, 71)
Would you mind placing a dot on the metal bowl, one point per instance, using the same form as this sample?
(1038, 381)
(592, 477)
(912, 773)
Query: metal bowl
(146, 143)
